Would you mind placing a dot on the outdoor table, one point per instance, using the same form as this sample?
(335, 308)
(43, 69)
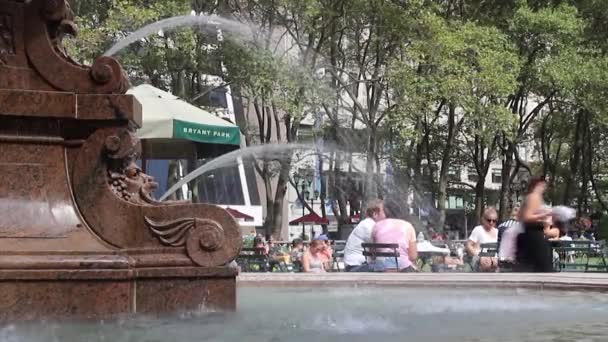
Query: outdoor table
(426, 251)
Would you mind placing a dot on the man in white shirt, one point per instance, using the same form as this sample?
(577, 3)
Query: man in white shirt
(484, 233)
(353, 252)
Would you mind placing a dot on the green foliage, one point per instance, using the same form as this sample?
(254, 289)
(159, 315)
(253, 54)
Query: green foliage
(270, 79)
(546, 38)
(547, 28)
(167, 60)
(468, 66)
(491, 60)
(248, 241)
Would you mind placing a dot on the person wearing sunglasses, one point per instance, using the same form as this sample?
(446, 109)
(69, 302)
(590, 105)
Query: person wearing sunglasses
(484, 233)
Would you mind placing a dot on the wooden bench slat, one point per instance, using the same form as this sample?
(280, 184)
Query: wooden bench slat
(380, 245)
(381, 254)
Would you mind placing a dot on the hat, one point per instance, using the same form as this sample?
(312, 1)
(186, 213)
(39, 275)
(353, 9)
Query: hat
(322, 237)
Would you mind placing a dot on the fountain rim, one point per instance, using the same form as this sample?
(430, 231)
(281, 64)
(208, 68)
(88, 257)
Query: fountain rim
(473, 281)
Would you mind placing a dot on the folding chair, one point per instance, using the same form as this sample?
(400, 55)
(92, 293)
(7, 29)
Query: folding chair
(371, 251)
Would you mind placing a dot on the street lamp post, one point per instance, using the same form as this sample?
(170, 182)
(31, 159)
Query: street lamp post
(522, 187)
(313, 196)
(466, 223)
(303, 195)
(306, 195)
(519, 188)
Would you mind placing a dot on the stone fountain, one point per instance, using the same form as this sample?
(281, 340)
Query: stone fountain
(80, 235)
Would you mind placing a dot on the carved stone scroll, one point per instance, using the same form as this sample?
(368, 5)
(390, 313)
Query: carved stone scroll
(203, 238)
(49, 21)
(80, 234)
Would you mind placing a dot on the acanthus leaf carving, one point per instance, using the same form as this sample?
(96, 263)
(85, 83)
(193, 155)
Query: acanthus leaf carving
(203, 238)
(172, 233)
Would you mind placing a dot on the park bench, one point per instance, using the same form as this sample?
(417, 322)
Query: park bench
(597, 252)
(253, 260)
(487, 250)
(338, 254)
(576, 255)
(372, 251)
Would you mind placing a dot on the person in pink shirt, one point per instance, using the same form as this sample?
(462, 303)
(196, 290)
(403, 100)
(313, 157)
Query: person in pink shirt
(403, 233)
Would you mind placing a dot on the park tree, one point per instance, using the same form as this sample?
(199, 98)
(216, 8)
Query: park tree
(451, 81)
(426, 85)
(279, 85)
(541, 36)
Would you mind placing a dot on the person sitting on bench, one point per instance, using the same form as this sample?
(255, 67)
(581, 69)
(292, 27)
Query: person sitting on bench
(484, 233)
(354, 260)
(312, 260)
(403, 233)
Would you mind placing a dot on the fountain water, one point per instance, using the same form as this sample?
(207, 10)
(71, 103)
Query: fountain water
(272, 152)
(210, 22)
(356, 314)
(204, 21)
(297, 154)
(235, 27)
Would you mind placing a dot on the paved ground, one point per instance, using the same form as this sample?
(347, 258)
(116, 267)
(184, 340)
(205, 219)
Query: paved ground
(569, 281)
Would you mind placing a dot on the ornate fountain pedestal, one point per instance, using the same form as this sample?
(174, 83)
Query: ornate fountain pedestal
(79, 234)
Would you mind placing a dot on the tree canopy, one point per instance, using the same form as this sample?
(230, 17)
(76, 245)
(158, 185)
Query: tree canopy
(425, 86)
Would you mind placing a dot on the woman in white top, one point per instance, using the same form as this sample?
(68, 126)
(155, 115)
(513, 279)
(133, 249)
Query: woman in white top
(484, 233)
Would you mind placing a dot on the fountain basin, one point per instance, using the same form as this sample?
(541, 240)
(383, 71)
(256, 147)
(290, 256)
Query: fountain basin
(33, 295)
(375, 307)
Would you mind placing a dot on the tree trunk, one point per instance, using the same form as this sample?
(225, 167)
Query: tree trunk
(505, 189)
(445, 164)
(545, 146)
(553, 193)
(370, 186)
(338, 204)
(483, 157)
(323, 191)
(172, 178)
(418, 177)
(430, 164)
(480, 189)
(378, 179)
(403, 179)
(441, 198)
(591, 139)
(279, 198)
(583, 194)
(193, 185)
(270, 205)
(575, 158)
